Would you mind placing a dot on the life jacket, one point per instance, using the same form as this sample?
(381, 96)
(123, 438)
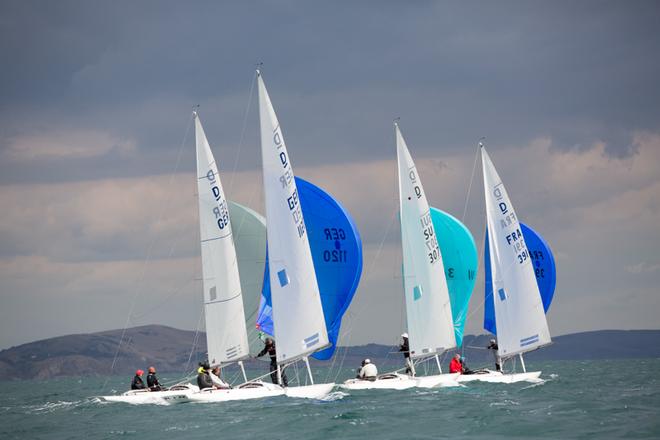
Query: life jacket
(455, 366)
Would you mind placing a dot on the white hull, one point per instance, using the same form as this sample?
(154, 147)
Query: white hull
(498, 377)
(393, 381)
(317, 391)
(396, 381)
(140, 397)
(250, 390)
(439, 380)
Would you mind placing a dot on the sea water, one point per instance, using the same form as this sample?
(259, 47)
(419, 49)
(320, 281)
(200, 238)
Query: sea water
(578, 399)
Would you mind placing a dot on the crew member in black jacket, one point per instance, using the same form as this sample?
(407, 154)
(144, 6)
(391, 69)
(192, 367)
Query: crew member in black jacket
(269, 347)
(138, 383)
(152, 380)
(203, 378)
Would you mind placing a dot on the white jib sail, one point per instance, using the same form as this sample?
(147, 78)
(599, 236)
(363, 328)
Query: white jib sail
(430, 322)
(297, 313)
(226, 335)
(519, 316)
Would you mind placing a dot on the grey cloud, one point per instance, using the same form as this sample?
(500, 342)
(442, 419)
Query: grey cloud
(338, 73)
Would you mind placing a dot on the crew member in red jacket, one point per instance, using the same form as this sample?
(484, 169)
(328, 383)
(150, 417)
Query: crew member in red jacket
(455, 365)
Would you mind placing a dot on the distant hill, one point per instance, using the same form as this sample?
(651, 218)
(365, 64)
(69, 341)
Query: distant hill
(170, 349)
(92, 354)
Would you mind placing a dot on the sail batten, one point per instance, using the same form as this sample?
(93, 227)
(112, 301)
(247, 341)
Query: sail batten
(428, 310)
(519, 314)
(226, 333)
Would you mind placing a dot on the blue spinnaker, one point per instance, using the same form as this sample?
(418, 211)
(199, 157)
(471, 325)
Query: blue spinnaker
(459, 257)
(544, 267)
(337, 253)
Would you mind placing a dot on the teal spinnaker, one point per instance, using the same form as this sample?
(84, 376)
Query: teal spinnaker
(459, 257)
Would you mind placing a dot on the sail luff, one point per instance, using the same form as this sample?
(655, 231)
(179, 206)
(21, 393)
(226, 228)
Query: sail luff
(428, 310)
(519, 315)
(226, 334)
(297, 312)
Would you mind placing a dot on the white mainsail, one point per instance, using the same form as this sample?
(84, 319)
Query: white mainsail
(226, 335)
(519, 316)
(297, 313)
(430, 322)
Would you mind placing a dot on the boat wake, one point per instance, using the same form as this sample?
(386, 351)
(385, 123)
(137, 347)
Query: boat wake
(536, 383)
(333, 396)
(49, 407)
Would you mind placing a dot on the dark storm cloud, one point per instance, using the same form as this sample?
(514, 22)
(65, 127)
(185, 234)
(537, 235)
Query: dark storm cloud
(338, 73)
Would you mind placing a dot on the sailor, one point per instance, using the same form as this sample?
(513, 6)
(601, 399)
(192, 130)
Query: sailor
(217, 382)
(152, 380)
(455, 366)
(498, 360)
(138, 383)
(269, 347)
(203, 378)
(368, 371)
(405, 348)
(466, 370)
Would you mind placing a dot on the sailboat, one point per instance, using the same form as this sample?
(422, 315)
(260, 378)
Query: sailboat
(428, 309)
(297, 313)
(226, 333)
(337, 255)
(517, 303)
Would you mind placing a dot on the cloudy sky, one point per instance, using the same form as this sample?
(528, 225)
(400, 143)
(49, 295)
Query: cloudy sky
(97, 189)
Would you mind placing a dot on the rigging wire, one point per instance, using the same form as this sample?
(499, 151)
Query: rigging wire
(240, 142)
(367, 276)
(474, 167)
(195, 340)
(149, 251)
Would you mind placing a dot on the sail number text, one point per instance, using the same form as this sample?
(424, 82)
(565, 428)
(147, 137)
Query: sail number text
(221, 212)
(286, 180)
(515, 238)
(335, 236)
(431, 241)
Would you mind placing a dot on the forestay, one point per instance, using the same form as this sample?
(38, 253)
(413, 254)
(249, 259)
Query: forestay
(226, 335)
(297, 312)
(429, 315)
(519, 316)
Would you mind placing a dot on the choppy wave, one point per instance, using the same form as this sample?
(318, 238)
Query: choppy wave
(577, 400)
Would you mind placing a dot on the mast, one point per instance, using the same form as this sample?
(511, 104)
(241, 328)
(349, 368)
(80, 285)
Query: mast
(298, 317)
(428, 310)
(226, 334)
(519, 316)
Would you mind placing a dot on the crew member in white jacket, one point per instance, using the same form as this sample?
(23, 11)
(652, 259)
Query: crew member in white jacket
(217, 382)
(368, 371)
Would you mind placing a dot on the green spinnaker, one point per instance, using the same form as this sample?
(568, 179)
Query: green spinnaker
(249, 230)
